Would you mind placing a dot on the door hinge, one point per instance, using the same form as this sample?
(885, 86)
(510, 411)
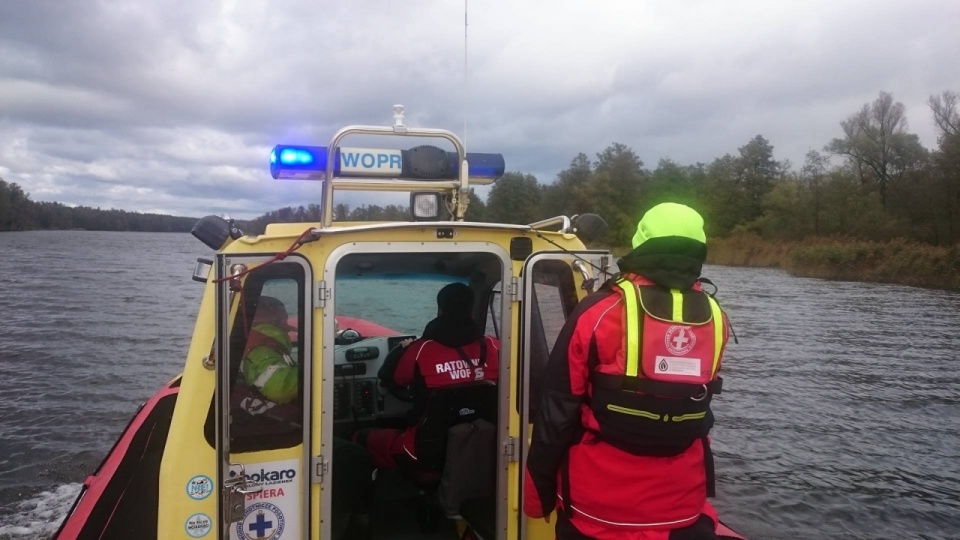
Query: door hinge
(321, 294)
(318, 468)
(511, 449)
(514, 288)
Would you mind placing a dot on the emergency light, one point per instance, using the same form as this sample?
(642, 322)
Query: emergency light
(298, 162)
(420, 163)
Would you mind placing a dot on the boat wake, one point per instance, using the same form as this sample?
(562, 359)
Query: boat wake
(40, 516)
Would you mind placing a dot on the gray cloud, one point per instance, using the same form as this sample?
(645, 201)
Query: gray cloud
(172, 106)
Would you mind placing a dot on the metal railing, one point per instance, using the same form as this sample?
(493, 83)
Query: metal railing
(382, 184)
(563, 221)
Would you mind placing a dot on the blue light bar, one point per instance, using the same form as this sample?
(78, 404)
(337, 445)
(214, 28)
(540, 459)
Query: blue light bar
(310, 163)
(298, 162)
(485, 166)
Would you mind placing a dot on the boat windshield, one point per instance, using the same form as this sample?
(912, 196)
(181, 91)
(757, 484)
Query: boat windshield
(391, 294)
(384, 305)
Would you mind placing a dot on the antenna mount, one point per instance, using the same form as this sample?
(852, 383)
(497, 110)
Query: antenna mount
(398, 126)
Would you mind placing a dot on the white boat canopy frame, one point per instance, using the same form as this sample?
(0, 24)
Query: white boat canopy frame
(456, 188)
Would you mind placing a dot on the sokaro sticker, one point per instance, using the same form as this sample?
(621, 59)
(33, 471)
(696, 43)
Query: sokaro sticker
(273, 512)
(262, 521)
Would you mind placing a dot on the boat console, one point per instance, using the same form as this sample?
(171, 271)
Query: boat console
(357, 394)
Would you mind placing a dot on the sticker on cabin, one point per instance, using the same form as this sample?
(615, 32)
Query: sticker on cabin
(199, 487)
(368, 161)
(198, 525)
(262, 521)
(272, 512)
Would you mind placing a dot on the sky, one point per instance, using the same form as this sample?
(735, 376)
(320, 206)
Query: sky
(172, 106)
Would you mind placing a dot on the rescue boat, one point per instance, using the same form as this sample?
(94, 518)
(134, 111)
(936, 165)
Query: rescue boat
(206, 457)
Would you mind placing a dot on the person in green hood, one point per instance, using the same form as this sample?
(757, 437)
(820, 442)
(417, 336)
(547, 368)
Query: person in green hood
(669, 247)
(267, 364)
(620, 447)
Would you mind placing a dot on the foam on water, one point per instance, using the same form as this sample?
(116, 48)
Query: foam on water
(40, 516)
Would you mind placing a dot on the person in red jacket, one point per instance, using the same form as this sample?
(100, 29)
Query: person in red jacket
(620, 446)
(451, 352)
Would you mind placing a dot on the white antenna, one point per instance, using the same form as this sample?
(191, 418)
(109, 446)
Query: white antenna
(466, 79)
(460, 206)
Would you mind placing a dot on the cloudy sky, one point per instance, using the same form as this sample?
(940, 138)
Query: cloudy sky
(172, 106)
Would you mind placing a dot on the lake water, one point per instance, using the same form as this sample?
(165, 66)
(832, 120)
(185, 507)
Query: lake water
(840, 416)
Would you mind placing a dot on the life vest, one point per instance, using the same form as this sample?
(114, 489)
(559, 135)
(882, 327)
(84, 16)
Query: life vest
(673, 344)
(442, 366)
(247, 397)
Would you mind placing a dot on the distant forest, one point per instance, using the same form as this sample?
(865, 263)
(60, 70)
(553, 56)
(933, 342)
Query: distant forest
(880, 184)
(19, 213)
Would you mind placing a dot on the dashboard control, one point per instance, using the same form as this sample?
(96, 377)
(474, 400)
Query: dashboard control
(355, 399)
(364, 398)
(362, 353)
(349, 370)
(356, 392)
(341, 401)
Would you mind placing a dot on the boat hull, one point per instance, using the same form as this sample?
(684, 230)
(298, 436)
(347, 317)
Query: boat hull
(120, 499)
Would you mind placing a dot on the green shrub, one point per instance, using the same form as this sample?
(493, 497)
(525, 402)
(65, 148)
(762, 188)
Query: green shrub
(896, 261)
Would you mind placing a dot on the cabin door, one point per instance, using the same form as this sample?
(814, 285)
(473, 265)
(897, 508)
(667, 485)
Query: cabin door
(553, 284)
(263, 365)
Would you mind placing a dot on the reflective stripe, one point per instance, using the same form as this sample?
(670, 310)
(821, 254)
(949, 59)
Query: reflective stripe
(633, 412)
(407, 450)
(717, 334)
(625, 524)
(677, 305)
(630, 294)
(604, 314)
(694, 416)
(264, 377)
(420, 350)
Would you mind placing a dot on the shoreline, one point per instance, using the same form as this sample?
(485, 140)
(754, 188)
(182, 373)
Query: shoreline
(898, 261)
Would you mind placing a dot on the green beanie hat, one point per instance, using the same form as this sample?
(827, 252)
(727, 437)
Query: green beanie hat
(670, 219)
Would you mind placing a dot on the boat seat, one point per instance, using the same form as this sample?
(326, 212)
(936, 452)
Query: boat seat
(456, 448)
(448, 407)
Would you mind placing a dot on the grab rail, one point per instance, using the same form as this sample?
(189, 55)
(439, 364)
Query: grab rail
(398, 129)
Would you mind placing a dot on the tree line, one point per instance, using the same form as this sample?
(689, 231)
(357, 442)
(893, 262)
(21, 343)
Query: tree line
(874, 182)
(19, 213)
(314, 213)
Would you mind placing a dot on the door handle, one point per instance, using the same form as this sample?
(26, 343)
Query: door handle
(235, 491)
(248, 489)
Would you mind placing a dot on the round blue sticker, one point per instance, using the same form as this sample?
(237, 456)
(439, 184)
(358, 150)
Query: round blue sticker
(262, 521)
(198, 525)
(199, 487)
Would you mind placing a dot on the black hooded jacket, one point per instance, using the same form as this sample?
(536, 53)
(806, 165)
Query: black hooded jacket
(670, 261)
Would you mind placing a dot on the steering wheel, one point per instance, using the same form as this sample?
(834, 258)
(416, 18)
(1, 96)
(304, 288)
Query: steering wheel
(404, 394)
